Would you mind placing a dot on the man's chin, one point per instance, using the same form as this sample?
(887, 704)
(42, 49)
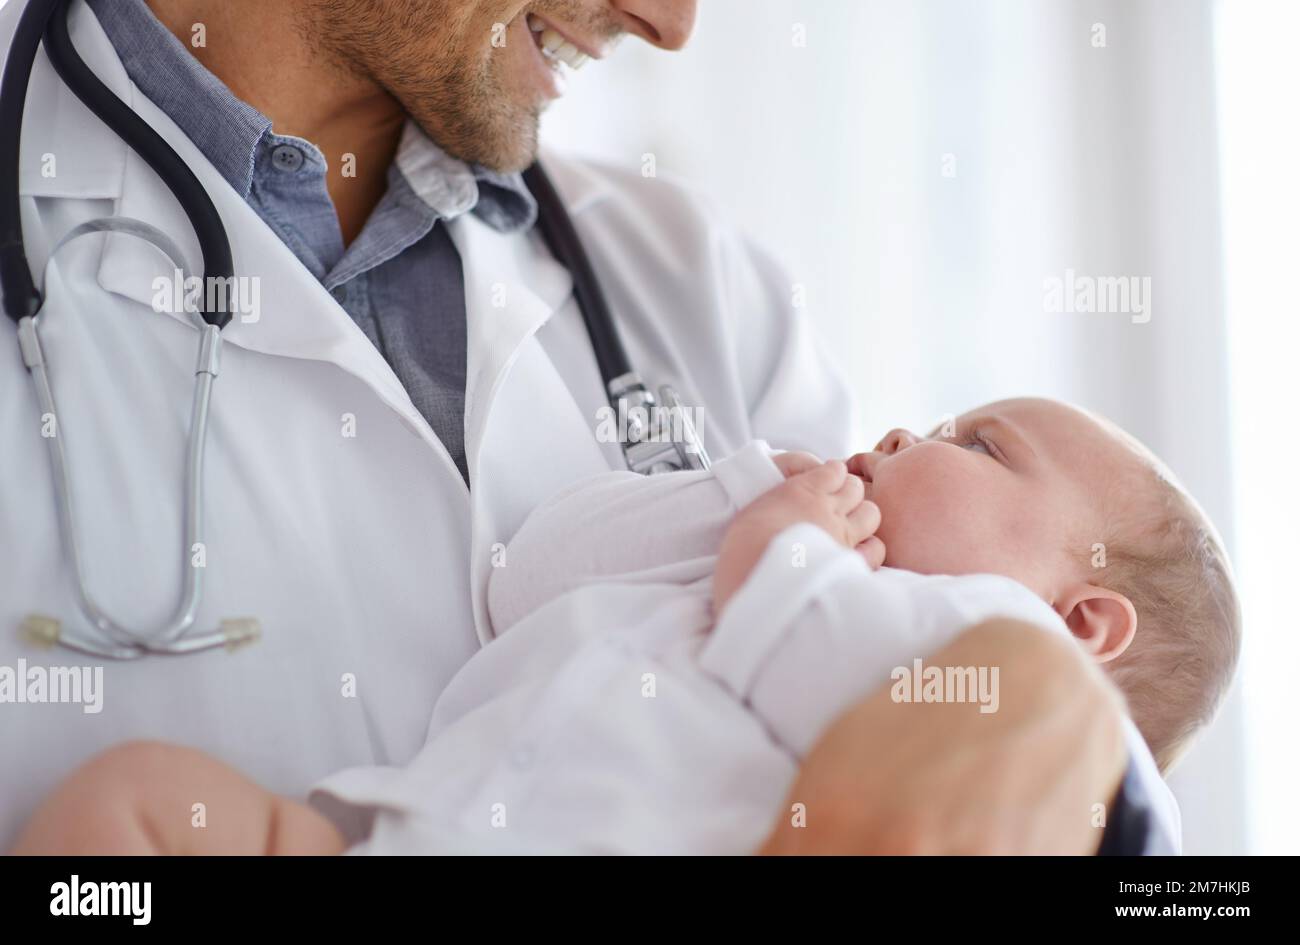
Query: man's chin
(521, 151)
(506, 151)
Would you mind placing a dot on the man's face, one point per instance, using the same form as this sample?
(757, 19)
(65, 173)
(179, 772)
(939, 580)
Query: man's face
(473, 73)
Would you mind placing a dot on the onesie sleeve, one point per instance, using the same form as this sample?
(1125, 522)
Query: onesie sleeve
(628, 527)
(814, 630)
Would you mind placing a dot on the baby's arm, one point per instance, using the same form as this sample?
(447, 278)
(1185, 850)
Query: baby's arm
(625, 526)
(813, 630)
(141, 798)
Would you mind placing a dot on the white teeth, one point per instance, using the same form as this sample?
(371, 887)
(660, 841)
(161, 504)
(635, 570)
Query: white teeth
(557, 47)
(535, 24)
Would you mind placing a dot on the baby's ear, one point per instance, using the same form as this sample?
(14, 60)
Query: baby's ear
(1102, 620)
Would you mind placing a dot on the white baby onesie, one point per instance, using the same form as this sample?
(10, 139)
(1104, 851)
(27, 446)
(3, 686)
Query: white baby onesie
(611, 714)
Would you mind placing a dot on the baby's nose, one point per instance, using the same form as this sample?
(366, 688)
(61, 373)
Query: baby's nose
(895, 440)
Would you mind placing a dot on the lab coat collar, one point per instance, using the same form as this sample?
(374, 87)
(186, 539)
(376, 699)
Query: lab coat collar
(294, 317)
(511, 287)
(579, 186)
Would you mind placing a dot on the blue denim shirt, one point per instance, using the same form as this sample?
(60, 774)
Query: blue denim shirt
(400, 279)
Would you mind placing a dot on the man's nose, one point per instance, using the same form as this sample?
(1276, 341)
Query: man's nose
(896, 440)
(665, 23)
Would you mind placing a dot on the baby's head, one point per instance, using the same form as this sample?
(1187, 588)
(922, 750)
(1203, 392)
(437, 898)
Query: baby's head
(1086, 517)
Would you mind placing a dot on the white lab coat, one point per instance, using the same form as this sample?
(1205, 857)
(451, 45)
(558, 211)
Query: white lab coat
(364, 557)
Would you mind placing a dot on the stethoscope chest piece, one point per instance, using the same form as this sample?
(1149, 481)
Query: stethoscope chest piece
(658, 436)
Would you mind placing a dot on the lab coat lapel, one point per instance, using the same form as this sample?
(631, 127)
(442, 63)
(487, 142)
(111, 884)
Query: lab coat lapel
(512, 286)
(525, 436)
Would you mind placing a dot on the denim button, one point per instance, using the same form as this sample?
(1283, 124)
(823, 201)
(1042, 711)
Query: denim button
(286, 157)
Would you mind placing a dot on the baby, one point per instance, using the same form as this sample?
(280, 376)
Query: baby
(668, 648)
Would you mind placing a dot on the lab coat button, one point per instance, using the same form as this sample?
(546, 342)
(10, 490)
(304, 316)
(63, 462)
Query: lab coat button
(286, 157)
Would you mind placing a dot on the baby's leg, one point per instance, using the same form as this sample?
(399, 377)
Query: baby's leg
(144, 797)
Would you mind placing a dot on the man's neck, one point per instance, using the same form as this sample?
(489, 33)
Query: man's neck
(260, 52)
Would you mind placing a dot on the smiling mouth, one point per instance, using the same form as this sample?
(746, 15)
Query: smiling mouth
(554, 47)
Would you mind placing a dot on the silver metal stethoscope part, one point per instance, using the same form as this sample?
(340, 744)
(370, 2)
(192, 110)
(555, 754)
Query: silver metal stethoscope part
(660, 434)
(117, 641)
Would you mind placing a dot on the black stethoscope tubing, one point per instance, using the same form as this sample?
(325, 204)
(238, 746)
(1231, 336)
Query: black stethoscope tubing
(562, 240)
(49, 17)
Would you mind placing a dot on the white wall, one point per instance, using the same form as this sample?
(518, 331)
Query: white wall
(1100, 160)
(1259, 74)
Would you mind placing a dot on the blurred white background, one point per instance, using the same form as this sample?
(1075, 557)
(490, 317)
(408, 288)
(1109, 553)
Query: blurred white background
(922, 166)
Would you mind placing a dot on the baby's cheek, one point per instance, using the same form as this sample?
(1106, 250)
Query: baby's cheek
(927, 522)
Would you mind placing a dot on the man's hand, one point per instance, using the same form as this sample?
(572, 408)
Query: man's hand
(823, 494)
(942, 778)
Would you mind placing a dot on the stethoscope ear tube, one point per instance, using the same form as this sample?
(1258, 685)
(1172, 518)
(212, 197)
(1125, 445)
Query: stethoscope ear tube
(21, 300)
(48, 20)
(565, 245)
(157, 153)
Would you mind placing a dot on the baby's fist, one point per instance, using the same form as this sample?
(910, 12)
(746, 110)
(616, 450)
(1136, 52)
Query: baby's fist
(825, 495)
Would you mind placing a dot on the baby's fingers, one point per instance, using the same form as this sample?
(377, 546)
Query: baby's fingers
(793, 463)
(863, 522)
(826, 478)
(849, 495)
(873, 550)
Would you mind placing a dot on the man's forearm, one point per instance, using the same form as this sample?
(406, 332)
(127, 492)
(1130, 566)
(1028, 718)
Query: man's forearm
(942, 777)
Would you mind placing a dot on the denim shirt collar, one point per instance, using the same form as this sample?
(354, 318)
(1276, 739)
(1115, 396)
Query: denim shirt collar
(230, 132)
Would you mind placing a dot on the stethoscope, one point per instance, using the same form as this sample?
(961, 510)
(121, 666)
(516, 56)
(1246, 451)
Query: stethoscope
(656, 435)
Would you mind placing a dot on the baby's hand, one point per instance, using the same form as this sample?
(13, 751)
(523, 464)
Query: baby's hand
(824, 495)
(795, 462)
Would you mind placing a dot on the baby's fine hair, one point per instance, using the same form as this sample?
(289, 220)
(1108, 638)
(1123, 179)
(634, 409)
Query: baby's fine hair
(1162, 553)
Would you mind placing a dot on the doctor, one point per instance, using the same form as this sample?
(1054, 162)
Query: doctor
(407, 376)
